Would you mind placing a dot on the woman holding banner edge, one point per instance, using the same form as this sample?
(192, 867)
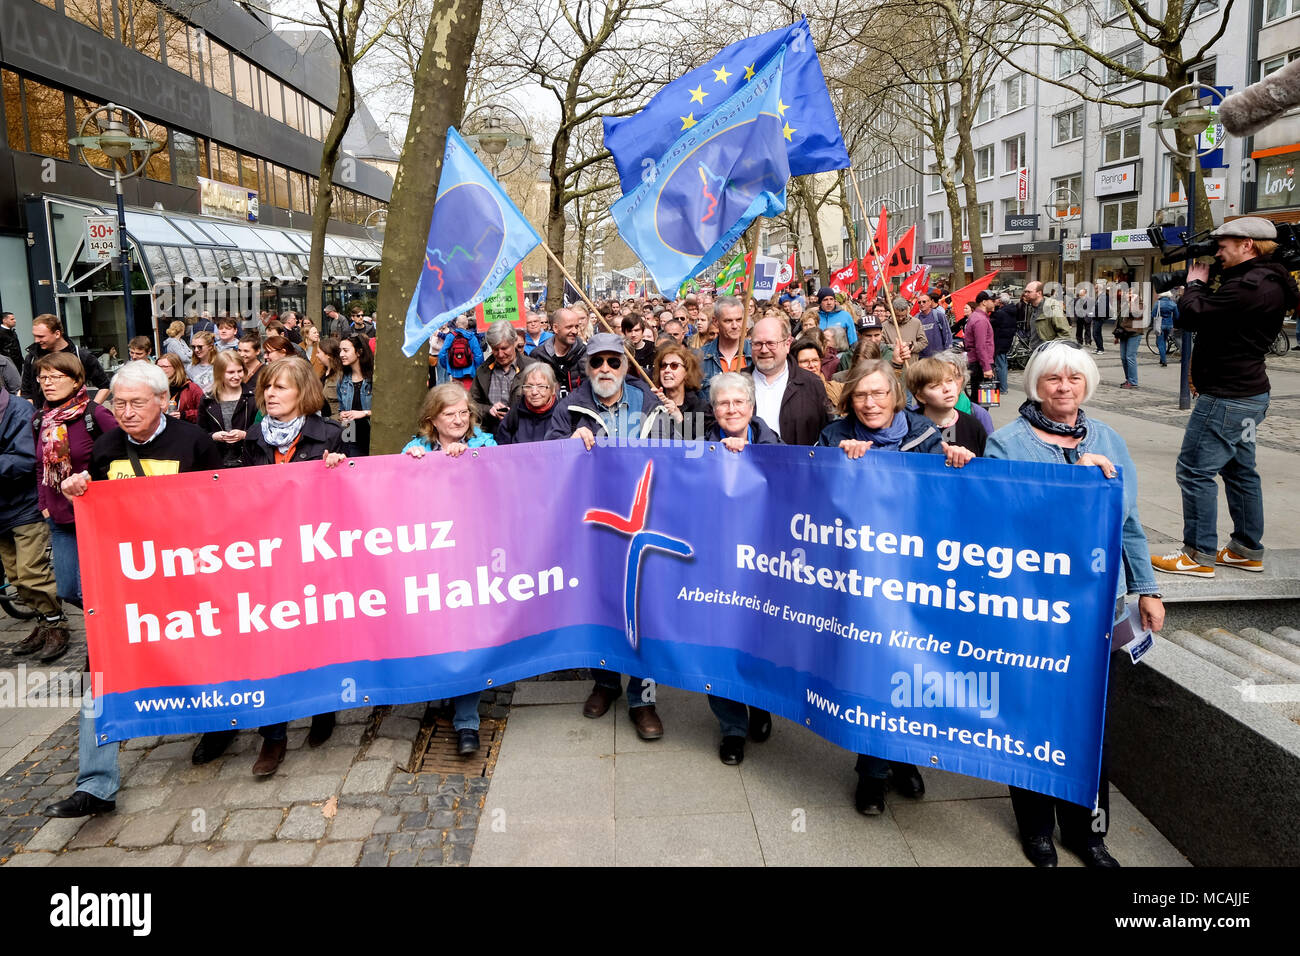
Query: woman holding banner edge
(1059, 377)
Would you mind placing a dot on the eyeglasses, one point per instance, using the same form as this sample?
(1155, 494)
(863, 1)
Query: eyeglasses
(613, 361)
(537, 388)
(878, 396)
(49, 377)
(766, 346)
(671, 366)
(730, 403)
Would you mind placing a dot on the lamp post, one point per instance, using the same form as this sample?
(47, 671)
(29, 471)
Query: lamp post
(1190, 118)
(1073, 210)
(115, 141)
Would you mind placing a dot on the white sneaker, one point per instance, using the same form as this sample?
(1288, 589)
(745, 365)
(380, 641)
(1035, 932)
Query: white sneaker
(1176, 562)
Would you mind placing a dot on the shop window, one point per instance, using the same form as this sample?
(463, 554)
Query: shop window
(81, 108)
(202, 146)
(185, 158)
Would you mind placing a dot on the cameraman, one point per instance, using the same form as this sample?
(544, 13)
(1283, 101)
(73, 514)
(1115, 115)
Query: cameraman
(1235, 326)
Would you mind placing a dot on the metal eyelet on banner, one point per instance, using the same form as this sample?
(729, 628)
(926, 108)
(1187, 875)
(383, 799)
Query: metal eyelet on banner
(216, 477)
(234, 723)
(602, 663)
(90, 610)
(807, 721)
(352, 464)
(489, 683)
(708, 687)
(473, 454)
(103, 738)
(366, 699)
(713, 448)
(934, 760)
(811, 455)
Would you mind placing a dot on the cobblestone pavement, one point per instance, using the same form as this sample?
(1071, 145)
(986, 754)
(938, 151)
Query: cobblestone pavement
(349, 802)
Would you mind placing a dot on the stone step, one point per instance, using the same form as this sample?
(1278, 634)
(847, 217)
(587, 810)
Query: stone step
(1272, 643)
(1225, 660)
(1279, 580)
(1288, 634)
(1285, 670)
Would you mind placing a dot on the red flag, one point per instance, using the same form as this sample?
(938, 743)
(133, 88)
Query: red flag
(914, 284)
(841, 279)
(872, 279)
(786, 276)
(967, 293)
(882, 233)
(902, 257)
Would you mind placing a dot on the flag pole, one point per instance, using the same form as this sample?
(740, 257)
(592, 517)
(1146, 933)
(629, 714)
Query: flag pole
(880, 265)
(598, 317)
(749, 284)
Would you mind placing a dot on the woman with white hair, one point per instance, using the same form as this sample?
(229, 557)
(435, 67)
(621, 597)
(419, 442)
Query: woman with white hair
(1053, 428)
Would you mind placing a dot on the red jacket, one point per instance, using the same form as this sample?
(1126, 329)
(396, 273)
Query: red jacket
(188, 401)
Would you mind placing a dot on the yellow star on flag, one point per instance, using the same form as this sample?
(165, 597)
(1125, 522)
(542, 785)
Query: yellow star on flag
(721, 76)
(788, 131)
(781, 107)
(698, 94)
(689, 120)
(749, 72)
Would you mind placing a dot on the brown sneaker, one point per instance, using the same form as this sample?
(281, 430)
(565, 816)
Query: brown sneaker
(269, 760)
(599, 700)
(1231, 559)
(33, 642)
(1176, 562)
(56, 643)
(648, 724)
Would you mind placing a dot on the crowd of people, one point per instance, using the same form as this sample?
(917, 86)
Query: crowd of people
(864, 381)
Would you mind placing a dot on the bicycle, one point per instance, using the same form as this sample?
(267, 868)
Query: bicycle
(1019, 352)
(1173, 341)
(12, 604)
(1282, 344)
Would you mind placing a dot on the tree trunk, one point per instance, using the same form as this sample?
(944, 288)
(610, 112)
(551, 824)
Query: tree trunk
(815, 228)
(400, 383)
(320, 215)
(972, 200)
(846, 211)
(555, 221)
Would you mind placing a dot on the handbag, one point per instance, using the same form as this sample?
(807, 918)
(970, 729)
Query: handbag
(988, 394)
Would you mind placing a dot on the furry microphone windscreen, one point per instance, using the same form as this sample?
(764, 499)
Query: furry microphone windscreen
(1261, 103)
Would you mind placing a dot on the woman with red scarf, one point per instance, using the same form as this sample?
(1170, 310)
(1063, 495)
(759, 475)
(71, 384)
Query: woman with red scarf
(65, 432)
(530, 417)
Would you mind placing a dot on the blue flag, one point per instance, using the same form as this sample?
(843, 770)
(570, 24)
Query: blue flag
(814, 144)
(476, 239)
(721, 174)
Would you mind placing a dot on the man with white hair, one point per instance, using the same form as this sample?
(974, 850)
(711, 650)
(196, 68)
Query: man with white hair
(148, 443)
(497, 381)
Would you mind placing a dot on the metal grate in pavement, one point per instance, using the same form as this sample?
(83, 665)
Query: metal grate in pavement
(438, 755)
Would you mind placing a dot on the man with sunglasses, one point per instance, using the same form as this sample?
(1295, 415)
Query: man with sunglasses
(610, 408)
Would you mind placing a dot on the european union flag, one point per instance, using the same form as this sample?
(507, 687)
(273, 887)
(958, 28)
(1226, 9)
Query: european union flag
(722, 173)
(813, 145)
(476, 239)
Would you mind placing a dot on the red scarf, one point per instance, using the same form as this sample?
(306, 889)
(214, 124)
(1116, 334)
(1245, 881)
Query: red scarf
(56, 454)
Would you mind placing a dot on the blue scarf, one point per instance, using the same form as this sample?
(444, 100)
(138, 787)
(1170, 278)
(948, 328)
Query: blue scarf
(281, 434)
(889, 437)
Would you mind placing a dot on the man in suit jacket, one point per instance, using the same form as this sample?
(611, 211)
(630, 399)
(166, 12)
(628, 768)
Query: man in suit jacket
(790, 400)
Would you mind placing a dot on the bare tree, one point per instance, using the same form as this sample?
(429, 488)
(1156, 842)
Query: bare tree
(440, 79)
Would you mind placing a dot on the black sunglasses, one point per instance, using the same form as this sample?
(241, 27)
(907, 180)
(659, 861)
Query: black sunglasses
(613, 361)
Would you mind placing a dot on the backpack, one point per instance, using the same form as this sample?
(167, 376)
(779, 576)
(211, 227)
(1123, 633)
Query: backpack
(92, 426)
(461, 356)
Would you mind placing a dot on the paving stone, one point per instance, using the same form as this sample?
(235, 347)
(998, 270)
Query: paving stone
(315, 787)
(404, 858)
(243, 825)
(427, 838)
(334, 761)
(140, 799)
(374, 843)
(223, 856)
(198, 828)
(431, 856)
(348, 736)
(98, 830)
(62, 779)
(56, 834)
(147, 829)
(354, 823)
(462, 836)
(31, 859)
(386, 824)
(410, 710)
(442, 819)
(401, 841)
(357, 715)
(376, 858)
(140, 743)
(157, 856)
(402, 784)
(338, 854)
(254, 793)
(188, 773)
(281, 854)
(414, 821)
(303, 823)
(176, 750)
(460, 855)
(148, 773)
(428, 783)
(443, 801)
(209, 796)
(380, 801)
(95, 856)
(478, 785)
(399, 728)
(396, 751)
(368, 776)
(413, 804)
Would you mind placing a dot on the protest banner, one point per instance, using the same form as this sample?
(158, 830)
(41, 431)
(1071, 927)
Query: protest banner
(506, 303)
(970, 638)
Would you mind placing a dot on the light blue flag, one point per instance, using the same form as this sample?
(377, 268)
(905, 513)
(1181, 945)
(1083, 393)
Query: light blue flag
(723, 172)
(476, 239)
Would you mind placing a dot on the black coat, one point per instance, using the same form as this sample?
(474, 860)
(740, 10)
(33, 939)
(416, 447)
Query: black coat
(1004, 322)
(805, 410)
(318, 436)
(478, 392)
(523, 425)
(10, 347)
(96, 377)
(759, 433)
(245, 415)
(17, 464)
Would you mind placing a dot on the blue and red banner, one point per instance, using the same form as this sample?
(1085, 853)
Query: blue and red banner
(955, 622)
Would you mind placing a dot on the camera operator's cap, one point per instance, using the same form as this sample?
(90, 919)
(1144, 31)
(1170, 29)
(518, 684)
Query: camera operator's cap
(605, 342)
(1247, 227)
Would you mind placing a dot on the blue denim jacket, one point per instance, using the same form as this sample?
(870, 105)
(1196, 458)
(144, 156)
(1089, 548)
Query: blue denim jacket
(1018, 442)
(345, 394)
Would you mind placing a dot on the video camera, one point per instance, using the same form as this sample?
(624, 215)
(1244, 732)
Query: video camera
(1288, 253)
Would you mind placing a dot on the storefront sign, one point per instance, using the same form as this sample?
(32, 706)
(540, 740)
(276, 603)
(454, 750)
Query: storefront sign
(1214, 189)
(1070, 249)
(227, 201)
(1006, 263)
(1276, 182)
(1022, 184)
(101, 239)
(1022, 223)
(1115, 180)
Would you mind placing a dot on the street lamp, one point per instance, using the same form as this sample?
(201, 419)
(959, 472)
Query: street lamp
(116, 141)
(1073, 209)
(492, 129)
(1189, 118)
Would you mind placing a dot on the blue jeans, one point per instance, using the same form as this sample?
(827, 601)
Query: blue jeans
(466, 716)
(1128, 356)
(1162, 340)
(637, 689)
(733, 716)
(67, 572)
(1096, 334)
(1220, 440)
(97, 770)
(1000, 370)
